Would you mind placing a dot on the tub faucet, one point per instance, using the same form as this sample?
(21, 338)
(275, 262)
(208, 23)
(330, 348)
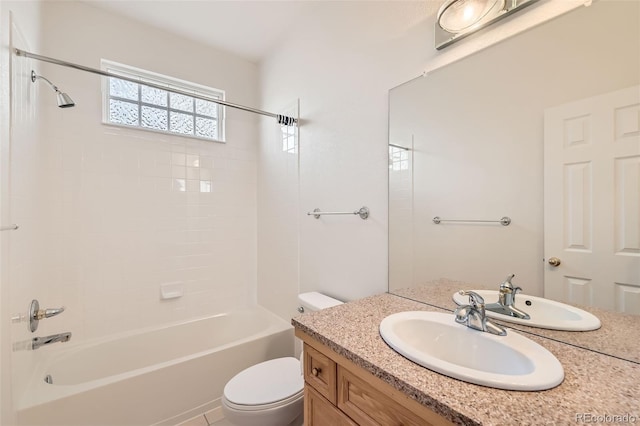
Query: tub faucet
(36, 342)
(474, 316)
(507, 300)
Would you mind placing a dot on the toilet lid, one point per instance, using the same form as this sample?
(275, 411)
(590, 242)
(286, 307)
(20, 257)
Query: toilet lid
(265, 383)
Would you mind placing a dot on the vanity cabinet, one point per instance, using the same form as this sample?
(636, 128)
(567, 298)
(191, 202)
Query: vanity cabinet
(338, 392)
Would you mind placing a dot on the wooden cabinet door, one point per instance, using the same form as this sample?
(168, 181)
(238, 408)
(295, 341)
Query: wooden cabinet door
(319, 412)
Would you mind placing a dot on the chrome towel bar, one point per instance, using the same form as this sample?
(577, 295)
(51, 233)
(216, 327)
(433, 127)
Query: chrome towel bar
(505, 221)
(363, 212)
(9, 228)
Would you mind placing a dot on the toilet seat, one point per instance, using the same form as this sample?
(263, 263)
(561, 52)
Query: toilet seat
(279, 383)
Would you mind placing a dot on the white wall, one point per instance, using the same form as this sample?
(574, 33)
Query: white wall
(334, 64)
(341, 65)
(278, 219)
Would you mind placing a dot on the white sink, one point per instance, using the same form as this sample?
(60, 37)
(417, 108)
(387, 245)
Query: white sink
(435, 341)
(543, 313)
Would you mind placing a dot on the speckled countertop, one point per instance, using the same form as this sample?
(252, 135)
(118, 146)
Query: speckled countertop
(618, 336)
(594, 383)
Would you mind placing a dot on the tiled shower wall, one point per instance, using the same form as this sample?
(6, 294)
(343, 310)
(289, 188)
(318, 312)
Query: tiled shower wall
(126, 214)
(110, 214)
(23, 174)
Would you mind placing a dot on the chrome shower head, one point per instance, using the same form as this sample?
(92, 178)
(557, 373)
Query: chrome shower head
(64, 100)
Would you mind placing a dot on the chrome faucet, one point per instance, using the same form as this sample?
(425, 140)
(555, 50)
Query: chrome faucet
(36, 342)
(474, 316)
(508, 291)
(507, 300)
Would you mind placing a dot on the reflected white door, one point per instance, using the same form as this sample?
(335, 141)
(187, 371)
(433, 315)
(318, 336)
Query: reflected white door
(592, 201)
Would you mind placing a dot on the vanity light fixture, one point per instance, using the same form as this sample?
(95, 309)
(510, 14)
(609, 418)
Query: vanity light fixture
(457, 19)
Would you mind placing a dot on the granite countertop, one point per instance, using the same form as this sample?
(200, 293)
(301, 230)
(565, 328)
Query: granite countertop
(594, 384)
(614, 337)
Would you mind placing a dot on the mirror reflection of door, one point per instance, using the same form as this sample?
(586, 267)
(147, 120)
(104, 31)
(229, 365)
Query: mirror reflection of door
(592, 201)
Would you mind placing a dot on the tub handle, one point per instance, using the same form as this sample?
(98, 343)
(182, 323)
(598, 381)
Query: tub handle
(36, 314)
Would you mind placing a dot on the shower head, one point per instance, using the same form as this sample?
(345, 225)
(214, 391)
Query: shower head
(64, 100)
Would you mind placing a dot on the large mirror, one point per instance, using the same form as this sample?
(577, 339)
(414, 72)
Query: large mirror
(496, 135)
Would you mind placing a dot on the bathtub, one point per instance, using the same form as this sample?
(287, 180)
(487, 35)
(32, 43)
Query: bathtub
(155, 376)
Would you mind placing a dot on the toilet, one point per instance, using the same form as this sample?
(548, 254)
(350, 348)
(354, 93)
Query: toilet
(270, 393)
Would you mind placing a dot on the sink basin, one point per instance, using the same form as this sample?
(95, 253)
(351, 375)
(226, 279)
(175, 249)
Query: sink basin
(435, 341)
(544, 313)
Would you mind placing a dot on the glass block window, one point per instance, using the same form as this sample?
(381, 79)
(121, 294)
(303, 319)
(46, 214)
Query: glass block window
(161, 110)
(398, 159)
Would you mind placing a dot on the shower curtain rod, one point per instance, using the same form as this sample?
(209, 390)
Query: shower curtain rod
(282, 119)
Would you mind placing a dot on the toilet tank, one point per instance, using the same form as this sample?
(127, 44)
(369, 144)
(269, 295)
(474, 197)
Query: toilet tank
(314, 301)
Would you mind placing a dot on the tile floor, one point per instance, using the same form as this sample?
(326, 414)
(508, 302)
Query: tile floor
(207, 419)
(222, 422)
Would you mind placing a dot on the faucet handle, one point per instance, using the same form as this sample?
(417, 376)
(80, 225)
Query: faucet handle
(475, 299)
(48, 313)
(36, 314)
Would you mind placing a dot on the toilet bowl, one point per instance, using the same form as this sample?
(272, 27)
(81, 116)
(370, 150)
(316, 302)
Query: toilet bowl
(266, 394)
(271, 393)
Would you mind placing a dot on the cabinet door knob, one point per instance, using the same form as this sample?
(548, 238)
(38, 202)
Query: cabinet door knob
(315, 371)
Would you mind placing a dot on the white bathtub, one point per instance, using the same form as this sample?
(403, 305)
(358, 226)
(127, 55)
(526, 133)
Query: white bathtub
(157, 376)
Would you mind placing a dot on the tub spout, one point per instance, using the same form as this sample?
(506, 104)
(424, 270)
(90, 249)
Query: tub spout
(36, 342)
